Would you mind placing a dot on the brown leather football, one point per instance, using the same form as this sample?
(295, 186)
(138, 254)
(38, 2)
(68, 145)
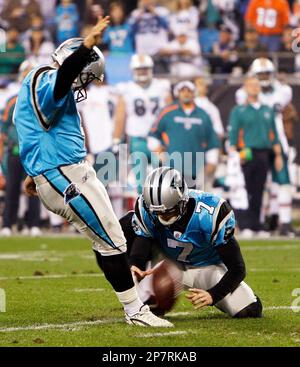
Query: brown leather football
(166, 285)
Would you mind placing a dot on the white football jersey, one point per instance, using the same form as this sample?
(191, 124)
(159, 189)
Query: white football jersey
(279, 96)
(10, 91)
(143, 105)
(97, 111)
(213, 112)
(151, 34)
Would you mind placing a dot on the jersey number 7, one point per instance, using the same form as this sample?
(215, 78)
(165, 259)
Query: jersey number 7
(187, 248)
(201, 205)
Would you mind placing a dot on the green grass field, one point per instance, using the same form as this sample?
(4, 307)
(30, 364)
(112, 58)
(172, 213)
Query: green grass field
(57, 297)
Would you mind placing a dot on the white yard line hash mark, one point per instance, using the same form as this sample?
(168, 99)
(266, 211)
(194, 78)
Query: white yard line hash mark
(80, 324)
(51, 276)
(79, 290)
(65, 326)
(170, 333)
(262, 270)
(293, 308)
(271, 247)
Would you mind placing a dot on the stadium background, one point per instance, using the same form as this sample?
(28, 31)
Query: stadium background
(54, 292)
(58, 20)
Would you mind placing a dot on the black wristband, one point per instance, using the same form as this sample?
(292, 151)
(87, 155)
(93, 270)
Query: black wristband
(83, 50)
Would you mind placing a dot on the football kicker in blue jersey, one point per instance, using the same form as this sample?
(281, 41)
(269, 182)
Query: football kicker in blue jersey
(49, 131)
(208, 228)
(52, 151)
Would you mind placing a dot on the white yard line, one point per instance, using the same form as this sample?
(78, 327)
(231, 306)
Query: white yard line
(79, 290)
(152, 335)
(31, 256)
(65, 326)
(52, 276)
(72, 326)
(175, 314)
(274, 269)
(295, 246)
(292, 308)
(19, 255)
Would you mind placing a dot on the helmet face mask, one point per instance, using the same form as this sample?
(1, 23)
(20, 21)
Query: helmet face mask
(265, 78)
(94, 70)
(142, 68)
(143, 75)
(165, 194)
(172, 215)
(264, 70)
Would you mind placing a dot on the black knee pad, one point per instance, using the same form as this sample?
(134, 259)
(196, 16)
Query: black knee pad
(127, 229)
(99, 259)
(252, 310)
(116, 271)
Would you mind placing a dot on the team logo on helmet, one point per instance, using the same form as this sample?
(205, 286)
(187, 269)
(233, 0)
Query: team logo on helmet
(93, 70)
(165, 194)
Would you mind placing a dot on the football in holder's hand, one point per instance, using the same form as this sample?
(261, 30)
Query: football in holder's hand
(167, 284)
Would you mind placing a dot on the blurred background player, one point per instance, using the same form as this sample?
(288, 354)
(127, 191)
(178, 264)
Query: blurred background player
(276, 95)
(97, 118)
(202, 101)
(253, 134)
(9, 148)
(138, 105)
(184, 131)
(196, 230)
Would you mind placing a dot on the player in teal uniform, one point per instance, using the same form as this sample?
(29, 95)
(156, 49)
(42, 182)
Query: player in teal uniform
(184, 130)
(196, 230)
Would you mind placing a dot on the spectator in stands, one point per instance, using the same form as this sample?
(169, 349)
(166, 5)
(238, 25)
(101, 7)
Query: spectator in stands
(16, 13)
(210, 16)
(94, 9)
(211, 109)
(253, 133)
(37, 21)
(105, 4)
(295, 16)
(67, 19)
(184, 55)
(118, 36)
(250, 49)
(185, 130)
(47, 9)
(229, 14)
(268, 17)
(225, 56)
(15, 170)
(185, 19)
(289, 60)
(38, 48)
(150, 27)
(1, 5)
(14, 55)
(290, 120)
